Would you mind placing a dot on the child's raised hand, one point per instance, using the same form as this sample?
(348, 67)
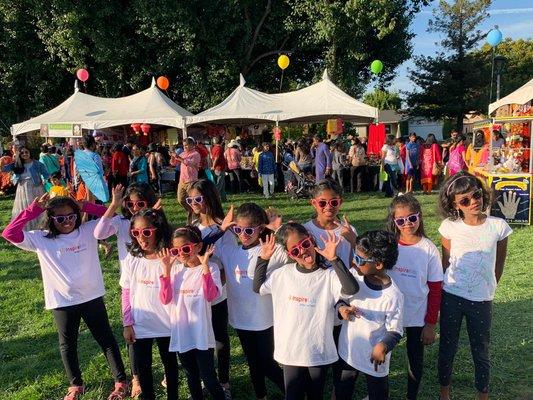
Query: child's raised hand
(207, 254)
(116, 195)
(42, 200)
(347, 231)
(129, 334)
(158, 205)
(167, 260)
(378, 355)
(274, 219)
(330, 246)
(348, 313)
(227, 222)
(267, 247)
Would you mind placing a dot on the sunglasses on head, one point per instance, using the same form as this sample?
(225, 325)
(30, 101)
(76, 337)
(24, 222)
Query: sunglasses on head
(401, 221)
(146, 232)
(238, 230)
(465, 201)
(334, 203)
(360, 261)
(185, 249)
(194, 200)
(139, 203)
(62, 219)
(298, 249)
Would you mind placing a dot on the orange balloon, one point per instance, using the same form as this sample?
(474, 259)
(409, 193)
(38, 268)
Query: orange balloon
(163, 83)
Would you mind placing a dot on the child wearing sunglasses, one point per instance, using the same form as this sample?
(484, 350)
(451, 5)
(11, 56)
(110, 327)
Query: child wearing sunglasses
(145, 318)
(72, 280)
(138, 196)
(304, 293)
(207, 215)
(373, 318)
(474, 248)
(418, 274)
(249, 313)
(189, 286)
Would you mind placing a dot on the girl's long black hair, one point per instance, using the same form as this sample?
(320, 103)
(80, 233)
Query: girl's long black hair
(19, 164)
(142, 190)
(163, 232)
(460, 183)
(51, 206)
(213, 205)
(409, 201)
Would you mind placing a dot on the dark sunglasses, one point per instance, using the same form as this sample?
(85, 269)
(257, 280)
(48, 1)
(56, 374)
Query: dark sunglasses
(194, 200)
(360, 261)
(331, 202)
(185, 249)
(24, 152)
(465, 201)
(139, 204)
(245, 231)
(146, 232)
(401, 221)
(298, 249)
(62, 219)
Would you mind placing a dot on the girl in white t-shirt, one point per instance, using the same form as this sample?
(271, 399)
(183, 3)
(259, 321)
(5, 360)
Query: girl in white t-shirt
(373, 318)
(418, 274)
(249, 313)
(304, 293)
(145, 318)
(72, 280)
(138, 196)
(189, 286)
(474, 248)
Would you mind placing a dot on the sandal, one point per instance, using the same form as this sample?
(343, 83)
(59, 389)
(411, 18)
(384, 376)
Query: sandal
(120, 392)
(135, 388)
(74, 392)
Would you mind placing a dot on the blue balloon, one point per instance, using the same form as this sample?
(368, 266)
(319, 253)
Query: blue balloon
(494, 37)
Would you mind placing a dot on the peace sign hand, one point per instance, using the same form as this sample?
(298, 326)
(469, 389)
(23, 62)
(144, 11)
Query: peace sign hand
(274, 219)
(267, 247)
(204, 259)
(330, 246)
(227, 222)
(42, 200)
(347, 231)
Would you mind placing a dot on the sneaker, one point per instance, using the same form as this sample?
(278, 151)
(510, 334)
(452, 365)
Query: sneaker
(74, 392)
(135, 388)
(120, 392)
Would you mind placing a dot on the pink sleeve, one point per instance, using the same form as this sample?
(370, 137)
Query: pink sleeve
(14, 230)
(209, 287)
(127, 316)
(104, 229)
(165, 293)
(93, 209)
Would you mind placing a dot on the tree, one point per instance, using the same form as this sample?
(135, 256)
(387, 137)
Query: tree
(451, 82)
(383, 99)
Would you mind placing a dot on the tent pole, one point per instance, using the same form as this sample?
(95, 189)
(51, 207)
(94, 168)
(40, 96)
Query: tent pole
(277, 144)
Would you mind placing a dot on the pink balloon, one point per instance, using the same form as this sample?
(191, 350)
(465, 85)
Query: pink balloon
(82, 74)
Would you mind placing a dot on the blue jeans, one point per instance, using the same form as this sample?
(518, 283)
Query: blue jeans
(392, 183)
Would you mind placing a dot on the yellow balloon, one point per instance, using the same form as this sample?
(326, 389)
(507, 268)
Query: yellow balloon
(283, 61)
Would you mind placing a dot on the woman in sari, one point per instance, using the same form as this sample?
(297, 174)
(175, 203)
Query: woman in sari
(457, 161)
(431, 163)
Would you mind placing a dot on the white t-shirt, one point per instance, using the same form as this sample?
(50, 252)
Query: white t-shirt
(247, 310)
(304, 306)
(471, 273)
(190, 314)
(417, 265)
(122, 227)
(381, 311)
(141, 276)
(391, 155)
(70, 265)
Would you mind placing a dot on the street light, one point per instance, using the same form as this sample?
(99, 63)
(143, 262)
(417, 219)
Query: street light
(499, 65)
(494, 38)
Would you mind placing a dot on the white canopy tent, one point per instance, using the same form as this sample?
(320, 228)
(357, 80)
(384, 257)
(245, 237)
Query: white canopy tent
(150, 106)
(520, 96)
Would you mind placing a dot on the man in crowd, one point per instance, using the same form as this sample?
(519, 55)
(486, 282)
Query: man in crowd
(189, 161)
(219, 167)
(322, 158)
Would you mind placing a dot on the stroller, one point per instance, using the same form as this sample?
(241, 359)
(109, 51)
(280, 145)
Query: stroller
(297, 184)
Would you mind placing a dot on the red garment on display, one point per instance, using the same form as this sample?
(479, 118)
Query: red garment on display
(376, 138)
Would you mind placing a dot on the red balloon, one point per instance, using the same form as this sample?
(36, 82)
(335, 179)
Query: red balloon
(82, 74)
(277, 133)
(145, 128)
(163, 83)
(136, 127)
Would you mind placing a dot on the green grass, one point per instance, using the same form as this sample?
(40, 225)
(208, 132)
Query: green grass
(30, 365)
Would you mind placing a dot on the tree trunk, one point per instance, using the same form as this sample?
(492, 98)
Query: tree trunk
(459, 122)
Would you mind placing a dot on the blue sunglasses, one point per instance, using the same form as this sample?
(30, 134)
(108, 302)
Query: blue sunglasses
(360, 261)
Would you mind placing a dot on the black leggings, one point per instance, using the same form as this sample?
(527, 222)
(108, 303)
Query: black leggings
(201, 364)
(377, 387)
(142, 359)
(94, 314)
(415, 360)
(258, 347)
(478, 316)
(219, 319)
(302, 381)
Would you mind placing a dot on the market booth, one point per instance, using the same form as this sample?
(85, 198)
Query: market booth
(508, 170)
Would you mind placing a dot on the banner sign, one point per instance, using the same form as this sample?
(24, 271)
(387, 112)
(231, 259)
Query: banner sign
(61, 130)
(512, 198)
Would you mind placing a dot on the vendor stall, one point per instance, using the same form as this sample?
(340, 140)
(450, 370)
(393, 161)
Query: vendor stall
(509, 166)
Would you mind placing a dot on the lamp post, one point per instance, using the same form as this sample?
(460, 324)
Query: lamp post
(499, 65)
(494, 38)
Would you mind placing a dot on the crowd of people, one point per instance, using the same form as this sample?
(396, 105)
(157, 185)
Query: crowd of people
(303, 297)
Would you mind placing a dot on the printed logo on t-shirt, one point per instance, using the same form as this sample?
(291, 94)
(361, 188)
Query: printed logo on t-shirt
(147, 283)
(189, 292)
(303, 301)
(404, 271)
(241, 273)
(73, 249)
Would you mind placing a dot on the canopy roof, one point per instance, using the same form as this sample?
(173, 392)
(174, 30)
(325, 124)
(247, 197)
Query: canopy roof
(149, 106)
(317, 102)
(520, 96)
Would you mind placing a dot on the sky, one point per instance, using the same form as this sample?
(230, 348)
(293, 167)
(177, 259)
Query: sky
(513, 17)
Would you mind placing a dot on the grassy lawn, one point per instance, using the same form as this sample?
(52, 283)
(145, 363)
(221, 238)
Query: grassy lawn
(30, 365)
